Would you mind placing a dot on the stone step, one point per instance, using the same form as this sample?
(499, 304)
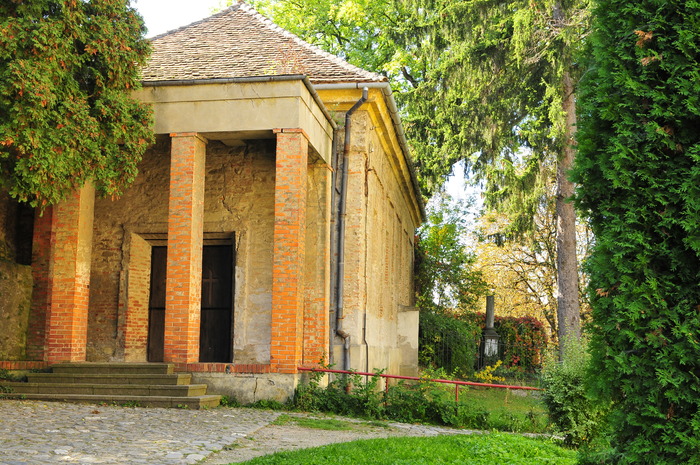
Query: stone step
(188, 390)
(196, 402)
(113, 368)
(76, 378)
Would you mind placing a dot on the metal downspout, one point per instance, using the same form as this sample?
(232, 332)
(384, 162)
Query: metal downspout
(342, 207)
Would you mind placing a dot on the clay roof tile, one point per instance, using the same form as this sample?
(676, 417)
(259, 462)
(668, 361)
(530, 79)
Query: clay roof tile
(239, 42)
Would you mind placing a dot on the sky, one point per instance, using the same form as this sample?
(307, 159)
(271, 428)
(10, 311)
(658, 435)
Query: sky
(165, 15)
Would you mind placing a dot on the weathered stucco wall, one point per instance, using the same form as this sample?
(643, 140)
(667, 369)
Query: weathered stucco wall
(8, 227)
(15, 302)
(379, 259)
(239, 198)
(15, 279)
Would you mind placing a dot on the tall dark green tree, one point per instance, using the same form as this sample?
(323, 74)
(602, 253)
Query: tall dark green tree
(639, 173)
(478, 81)
(67, 69)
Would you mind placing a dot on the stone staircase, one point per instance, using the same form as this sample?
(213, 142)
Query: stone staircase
(129, 384)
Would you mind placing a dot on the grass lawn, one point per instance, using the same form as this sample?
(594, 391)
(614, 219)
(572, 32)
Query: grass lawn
(477, 449)
(509, 411)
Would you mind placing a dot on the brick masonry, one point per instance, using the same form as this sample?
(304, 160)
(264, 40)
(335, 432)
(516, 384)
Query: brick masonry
(289, 245)
(69, 277)
(185, 240)
(41, 259)
(317, 263)
(134, 325)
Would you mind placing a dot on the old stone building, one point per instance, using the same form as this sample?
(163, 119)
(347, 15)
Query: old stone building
(239, 253)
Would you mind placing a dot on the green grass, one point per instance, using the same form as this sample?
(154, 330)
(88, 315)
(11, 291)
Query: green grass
(475, 449)
(328, 424)
(509, 411)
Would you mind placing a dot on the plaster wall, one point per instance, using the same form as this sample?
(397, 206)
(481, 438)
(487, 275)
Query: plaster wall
(379, 258)
(239, 199)
(239, 107)
(15, 303)
(249, 388)
(9, 231)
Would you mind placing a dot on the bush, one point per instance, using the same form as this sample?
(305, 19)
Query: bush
(638, 172)
(412, 403)
(347, 395)
(448, 342)
(524, 340)
(570, 406)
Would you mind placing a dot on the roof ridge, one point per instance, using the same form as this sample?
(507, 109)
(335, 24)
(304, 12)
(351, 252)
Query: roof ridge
(243, 6)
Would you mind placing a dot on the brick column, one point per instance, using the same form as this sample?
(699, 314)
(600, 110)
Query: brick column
(183, 286)
(69, 277)
(288, 261)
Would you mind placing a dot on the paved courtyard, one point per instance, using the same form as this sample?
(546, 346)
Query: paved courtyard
(39, 433)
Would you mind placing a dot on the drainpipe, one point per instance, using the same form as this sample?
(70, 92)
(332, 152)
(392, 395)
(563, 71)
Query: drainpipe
(342, 207)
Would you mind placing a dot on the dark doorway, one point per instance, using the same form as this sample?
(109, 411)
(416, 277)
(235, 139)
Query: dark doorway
(156, 304)
(217, 285)
(217, 304)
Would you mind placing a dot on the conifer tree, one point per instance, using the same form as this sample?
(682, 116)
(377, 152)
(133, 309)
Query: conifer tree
(67, 68)
(638, 169)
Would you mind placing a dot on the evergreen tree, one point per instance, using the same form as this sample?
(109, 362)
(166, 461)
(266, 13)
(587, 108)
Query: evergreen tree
(67, 68)
(639, 173)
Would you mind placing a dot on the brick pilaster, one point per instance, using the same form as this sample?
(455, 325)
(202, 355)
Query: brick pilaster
(288, 262)
(185, 237)
(69, 277)
(317, 264)
(134, 324)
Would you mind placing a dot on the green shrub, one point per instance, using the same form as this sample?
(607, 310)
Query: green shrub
(416, 403)
(448, 342)
(524, 340)
(229, 401)
(570, 406)
(349, 395)
(638, 172)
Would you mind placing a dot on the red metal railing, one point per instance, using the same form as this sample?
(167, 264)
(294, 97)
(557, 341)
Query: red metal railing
(414, 378)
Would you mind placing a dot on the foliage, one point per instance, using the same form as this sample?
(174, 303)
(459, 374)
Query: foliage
(421, 402)
(448, 342)
(445, 275)
(14, 375)
(229, 401)
(267, 404)
(487, 374)
(348, 395)
(571, 408)
(524, 339)
(522, 273)
(639, 176)
(67, 68)
(474, 449)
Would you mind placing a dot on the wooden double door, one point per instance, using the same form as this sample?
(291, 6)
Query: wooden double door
(217, 304)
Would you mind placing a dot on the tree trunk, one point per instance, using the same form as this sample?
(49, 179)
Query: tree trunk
(568, 311)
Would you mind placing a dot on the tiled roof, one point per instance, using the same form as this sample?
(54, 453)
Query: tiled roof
(239, 42)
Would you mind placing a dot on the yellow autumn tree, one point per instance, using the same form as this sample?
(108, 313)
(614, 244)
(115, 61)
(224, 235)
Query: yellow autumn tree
(522, 272)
